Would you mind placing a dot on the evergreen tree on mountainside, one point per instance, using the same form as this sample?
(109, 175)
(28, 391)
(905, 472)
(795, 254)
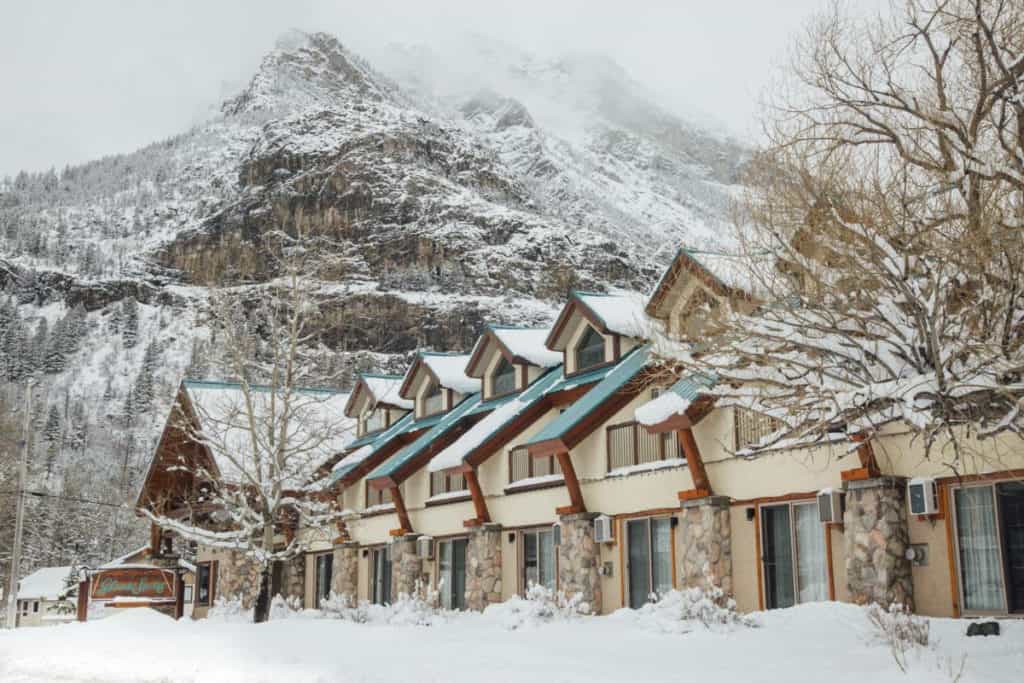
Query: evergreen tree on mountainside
(53, 438)
(37, 354)
(143, 389)
(130, 329)
(55, 360)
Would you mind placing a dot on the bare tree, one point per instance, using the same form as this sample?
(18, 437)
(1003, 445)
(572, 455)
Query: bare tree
(883, 225)
(269, 434)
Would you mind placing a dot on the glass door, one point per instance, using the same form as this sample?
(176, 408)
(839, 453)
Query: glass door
(1011, 503)
(451, 571)
(793, 555)
(649, 552)
(381, 571)
(538, 559)
(981, 571)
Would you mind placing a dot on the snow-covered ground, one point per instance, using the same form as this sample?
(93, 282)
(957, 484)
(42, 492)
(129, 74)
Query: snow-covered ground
(818, 642)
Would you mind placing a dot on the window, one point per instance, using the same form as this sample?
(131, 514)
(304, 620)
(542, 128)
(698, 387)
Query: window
(380, 577)
(503, 381)
(35, 607)
(590, 350)
(793, 553)
(990, 546)
(433, 400)
(538, 557)
(186, 595)
(324, 571)
(24, 608)
(204, 578)
(649, 563)
(752, 428)
(375, 421)
(523, 466)
(375, 497)
(441, 482)
(451, 573)
(630, 444)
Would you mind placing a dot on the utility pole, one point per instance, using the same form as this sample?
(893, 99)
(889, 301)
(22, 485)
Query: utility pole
(19, 520)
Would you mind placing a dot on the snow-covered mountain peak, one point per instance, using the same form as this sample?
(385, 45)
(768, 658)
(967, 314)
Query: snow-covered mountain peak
(308, 70)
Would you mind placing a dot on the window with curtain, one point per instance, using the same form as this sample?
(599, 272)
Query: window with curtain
(538, 548)
(374, 421)
(977, 531)
(380, 577)
(524, 466)
(451, 570)
(503, 381)
(590, 350)
(793, 555)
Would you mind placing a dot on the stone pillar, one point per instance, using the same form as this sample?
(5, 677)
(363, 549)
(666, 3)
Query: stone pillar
(483, 566)
(876, 539)
(406, 567)
(293, 578)
(346, 570)
(706, 541)
(579, 560)
(237, 577)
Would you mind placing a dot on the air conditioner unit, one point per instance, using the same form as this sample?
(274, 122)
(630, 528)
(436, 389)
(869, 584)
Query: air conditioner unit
(425, 547)
(556, 534)
(831, 504)
(922, 496)
(603, 529)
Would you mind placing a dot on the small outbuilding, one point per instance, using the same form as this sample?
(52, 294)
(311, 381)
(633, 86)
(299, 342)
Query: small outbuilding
(47, 597)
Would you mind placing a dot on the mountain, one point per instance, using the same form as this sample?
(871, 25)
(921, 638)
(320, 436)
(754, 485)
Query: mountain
(447, 201)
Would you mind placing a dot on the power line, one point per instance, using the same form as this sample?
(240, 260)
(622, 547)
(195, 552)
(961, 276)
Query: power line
(42, 494)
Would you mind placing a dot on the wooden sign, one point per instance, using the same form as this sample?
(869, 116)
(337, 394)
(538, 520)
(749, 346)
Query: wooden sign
(154, 584)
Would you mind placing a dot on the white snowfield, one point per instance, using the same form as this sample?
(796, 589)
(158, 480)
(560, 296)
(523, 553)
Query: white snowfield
(817, 642)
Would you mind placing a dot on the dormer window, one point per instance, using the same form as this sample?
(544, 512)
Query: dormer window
(590, 350)
(503, 381)
(433, 399)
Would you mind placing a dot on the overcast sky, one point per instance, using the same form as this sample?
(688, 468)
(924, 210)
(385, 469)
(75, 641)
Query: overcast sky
(82, 79)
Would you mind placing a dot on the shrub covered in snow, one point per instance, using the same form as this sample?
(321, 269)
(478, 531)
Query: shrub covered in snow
(900, 629)
(285, 608)
(345, 607)
(228, 608)
(422, 608)
(541, 605)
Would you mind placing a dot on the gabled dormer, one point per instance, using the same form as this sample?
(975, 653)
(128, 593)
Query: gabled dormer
(695, 285)
(376, 404)
(508, 359)
(437, 382)
(595, 330)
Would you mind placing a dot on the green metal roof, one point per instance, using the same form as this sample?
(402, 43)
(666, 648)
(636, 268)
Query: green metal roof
(445, 422)
(377, 441)
(692, 385)
(616, 378)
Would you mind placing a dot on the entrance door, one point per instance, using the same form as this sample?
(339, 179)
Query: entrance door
(794, 557)
(380, 587)
(452, 573)
(649, 543)
(1011, 503)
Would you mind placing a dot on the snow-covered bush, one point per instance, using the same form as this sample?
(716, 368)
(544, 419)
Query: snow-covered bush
(284, 608)
(422, 608)
(228, 608)
(541, 605)
(900, 629)
(346, 608)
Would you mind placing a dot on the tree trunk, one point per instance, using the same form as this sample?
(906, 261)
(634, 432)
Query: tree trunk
(261, 610)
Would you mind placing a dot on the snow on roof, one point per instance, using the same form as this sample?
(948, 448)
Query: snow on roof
(622, 313)
(455, 454)
(384, 389)
(675, 401)
(48, 583)
(735, 271)
(450, 370)
(317, 429)
(119, 561)
(528, 344)
(390, 466)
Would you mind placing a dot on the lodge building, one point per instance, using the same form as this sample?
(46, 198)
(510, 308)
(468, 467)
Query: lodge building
(563, 457)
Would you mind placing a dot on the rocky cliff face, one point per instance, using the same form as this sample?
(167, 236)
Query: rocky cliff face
(442, 207)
